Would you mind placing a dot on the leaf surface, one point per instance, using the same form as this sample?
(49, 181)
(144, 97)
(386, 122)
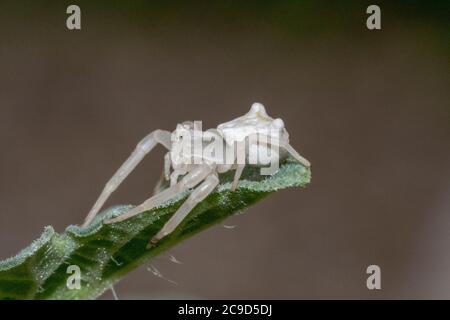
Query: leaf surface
(106, 253)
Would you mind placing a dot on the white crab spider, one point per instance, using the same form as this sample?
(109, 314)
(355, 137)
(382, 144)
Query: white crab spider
(197, 169)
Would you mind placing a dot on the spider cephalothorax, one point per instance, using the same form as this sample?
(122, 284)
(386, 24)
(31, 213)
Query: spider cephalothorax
(198, 156)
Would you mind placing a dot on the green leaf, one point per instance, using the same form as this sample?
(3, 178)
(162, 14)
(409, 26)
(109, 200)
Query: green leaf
(105, 253)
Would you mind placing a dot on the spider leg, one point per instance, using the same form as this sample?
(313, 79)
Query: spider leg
(198, 195)
(167, 164)
(295, 154)
(237, 176)
(288, 148)
(193, 178)
(143, 147)
(174, 176)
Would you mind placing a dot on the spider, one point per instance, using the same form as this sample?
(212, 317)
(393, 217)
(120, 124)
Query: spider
(198, 162)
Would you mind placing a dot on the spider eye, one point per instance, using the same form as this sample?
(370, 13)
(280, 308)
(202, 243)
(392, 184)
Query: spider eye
(258, 108)
(188, 125)
(278, 123)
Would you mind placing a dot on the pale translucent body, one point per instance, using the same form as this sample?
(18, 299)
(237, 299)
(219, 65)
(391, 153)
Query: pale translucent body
(189, 158)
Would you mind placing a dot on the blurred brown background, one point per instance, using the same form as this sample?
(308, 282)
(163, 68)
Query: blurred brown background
(369, 109)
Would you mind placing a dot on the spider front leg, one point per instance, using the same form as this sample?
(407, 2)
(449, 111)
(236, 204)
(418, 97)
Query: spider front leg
(197, 196)
(193, 178)
(237, 176)
(143, 147)
(238, 166)
(286, 146)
